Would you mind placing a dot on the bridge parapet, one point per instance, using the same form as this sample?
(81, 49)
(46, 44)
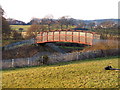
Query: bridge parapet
(78, 36)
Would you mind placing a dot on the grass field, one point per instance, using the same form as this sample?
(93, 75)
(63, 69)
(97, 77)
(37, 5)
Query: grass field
(16, 27)
(25, 27)
(75, 74)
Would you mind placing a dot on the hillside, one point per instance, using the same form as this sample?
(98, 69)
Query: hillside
(15, 23)
(77, 74)
(101, 20)
(26, 51)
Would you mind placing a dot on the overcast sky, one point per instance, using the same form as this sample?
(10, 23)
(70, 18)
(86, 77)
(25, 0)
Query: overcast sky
(25, 10)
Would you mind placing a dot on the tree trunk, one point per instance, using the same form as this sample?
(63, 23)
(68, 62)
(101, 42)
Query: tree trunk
(61, 27)
(48, 27)
(66, 26)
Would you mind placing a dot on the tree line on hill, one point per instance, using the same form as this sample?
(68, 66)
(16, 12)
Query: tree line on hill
(66, 22)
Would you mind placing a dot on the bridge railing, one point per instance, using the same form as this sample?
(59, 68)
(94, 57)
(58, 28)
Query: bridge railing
(78, 36)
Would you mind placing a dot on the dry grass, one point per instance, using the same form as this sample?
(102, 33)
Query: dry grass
(25, 51)
(103, 45)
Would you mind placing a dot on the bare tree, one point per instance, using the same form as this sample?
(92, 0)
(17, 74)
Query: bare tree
(64, 20)
(48, 20)
(34, 29)
(81, 24)
(1, 11)
(16, 35)
(91, 25)
(35, 21)
(6, 30)
(60, 21)
(71, 22)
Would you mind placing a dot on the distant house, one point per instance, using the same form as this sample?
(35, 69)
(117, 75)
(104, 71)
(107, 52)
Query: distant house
(107, 24)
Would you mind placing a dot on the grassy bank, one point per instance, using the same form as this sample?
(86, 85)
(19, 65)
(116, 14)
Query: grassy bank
(71, 47)
(77, 74)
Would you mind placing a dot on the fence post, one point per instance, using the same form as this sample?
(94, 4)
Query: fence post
(12, 62)
(77, 55)
(42, 59)
(28, 62)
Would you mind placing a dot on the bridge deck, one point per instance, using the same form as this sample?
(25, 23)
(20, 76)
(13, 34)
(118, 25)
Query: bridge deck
(83, 37)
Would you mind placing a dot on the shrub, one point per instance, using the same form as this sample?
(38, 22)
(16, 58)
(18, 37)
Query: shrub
(103, 45)
(45, 59)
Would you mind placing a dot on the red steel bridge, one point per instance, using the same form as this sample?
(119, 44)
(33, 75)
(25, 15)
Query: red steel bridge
(74, 36)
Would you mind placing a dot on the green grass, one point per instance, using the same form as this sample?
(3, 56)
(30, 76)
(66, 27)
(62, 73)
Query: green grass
(72, 47)
(16, 27)
(7, 42)
(75, 74)
(25, 27)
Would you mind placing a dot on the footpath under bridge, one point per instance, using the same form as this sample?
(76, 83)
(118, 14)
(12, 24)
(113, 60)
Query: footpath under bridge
(78, 36)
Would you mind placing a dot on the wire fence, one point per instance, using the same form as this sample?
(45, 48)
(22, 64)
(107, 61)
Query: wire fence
(37, 59)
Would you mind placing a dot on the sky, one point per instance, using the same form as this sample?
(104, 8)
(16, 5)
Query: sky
(25, 10)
